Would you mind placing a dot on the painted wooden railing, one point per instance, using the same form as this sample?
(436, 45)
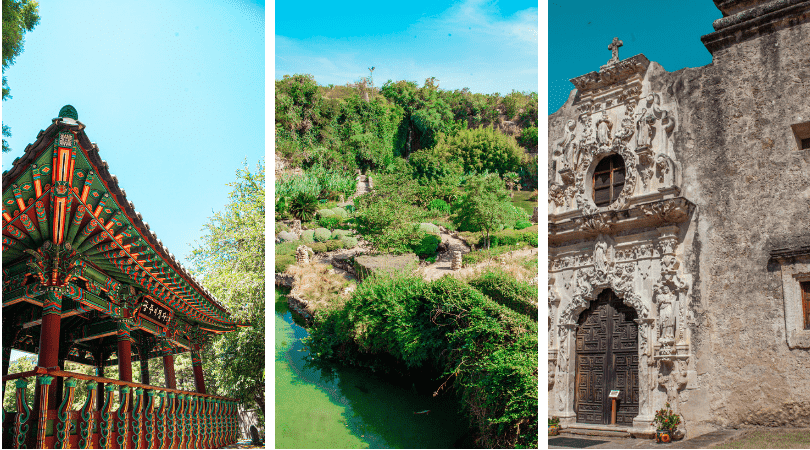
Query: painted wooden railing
(147, 416)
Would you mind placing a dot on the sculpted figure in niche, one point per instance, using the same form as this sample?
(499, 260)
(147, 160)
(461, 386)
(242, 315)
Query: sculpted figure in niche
(561, 146)
(666, 314)
(645, 130)
(600, 260)
(603, 128)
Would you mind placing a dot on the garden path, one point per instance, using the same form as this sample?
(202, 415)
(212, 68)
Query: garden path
(362, 188)
(444, 260)
(435, 271)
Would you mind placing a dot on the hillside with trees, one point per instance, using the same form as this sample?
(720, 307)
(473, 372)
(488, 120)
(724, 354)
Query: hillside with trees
(406, 231)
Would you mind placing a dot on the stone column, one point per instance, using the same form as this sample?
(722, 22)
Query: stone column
(196, 364)
(455, 264)
(49, 342)
(565, 385)
(168, 367)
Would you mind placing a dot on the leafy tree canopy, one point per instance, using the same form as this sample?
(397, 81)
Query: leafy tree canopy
(484, 205)
(19, 16)
(231, 258)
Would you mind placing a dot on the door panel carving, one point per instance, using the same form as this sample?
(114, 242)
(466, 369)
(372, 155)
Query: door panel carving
(607, 359)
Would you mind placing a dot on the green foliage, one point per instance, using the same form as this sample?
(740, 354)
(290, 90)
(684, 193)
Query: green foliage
(483, 206)
(521, 224)
(334, 244)
(19, 17)
(322, 235)
(518, 296)
(439, 205)
(329, 222)
(488, 350)
(325, 213)
(428, 245)
(318, 182)
(666, 419)
(528, 138)
(303, 206)
(473, 258)
(349, 241)
(482, 150)
(307, 236)
(282, 262)
(337, 234)
(435, 164)
(429, 228)
(512, 237)
(388, 225)
(340, 213)
(230, 259)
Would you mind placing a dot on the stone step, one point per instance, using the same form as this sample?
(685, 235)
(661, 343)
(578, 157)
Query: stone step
(596, 430)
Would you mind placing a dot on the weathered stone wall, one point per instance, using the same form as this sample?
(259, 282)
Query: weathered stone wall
(750, 183)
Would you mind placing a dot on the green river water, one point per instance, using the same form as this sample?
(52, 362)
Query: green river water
(354, 409)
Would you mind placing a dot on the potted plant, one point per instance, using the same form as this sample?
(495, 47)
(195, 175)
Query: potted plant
(554, 426)
(666, 422)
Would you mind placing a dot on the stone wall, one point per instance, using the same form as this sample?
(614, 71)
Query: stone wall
(751, 185)
(741, 167)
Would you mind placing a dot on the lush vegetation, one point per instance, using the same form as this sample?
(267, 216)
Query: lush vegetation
(435, 159)
(19, 17)
(230, 257)
(485, 351)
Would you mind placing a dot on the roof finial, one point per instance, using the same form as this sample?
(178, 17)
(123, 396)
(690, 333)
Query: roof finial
(614, 48)
(69, 111)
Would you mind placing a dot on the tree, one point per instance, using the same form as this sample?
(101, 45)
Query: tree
(19, 16)
(230, 257)
(484, 206)
(483, 150)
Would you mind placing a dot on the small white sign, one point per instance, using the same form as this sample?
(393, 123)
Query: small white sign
(615, 393)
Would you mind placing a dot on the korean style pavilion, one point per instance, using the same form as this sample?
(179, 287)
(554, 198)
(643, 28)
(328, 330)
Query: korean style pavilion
(84, 280)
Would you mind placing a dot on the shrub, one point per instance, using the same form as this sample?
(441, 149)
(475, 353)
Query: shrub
(286, 236)
(349, 241)
(329, 222)
(340, 213)
(318, 247)
(281, 226)
(303, 206)
(287, 248)
(439, 205)
(483, 150)
(322, 235)
(518, 296)
(307, 236)
(428, 245)
(473, 258)
(325, 213)
(429, 228)
(334, 245)
(521, 224)
(283, 261)
(337, 234)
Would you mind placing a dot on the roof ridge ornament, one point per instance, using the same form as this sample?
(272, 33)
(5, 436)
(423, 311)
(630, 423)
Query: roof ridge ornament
(69, 111)
(614, 49)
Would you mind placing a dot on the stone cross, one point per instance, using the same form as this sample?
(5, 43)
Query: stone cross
(614, 48)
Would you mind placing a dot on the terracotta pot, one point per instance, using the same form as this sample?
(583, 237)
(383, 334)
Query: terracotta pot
(664, 436)
(553, 430)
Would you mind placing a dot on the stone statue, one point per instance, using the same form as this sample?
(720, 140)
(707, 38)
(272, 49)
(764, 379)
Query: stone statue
(600, 260)
(666, 314)
(603, 127)
(561, 146)
(645, 130)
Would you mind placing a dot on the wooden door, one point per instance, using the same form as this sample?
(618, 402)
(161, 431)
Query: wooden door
(607, 359)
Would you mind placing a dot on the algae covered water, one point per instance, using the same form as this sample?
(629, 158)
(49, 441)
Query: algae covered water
(354, 408)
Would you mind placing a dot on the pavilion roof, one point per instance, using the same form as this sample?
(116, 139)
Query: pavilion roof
(100, 223)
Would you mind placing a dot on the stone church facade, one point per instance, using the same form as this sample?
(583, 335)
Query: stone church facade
(679, 232)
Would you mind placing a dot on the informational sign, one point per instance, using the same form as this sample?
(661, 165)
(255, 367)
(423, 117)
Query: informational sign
(154, 311)
(614, 393)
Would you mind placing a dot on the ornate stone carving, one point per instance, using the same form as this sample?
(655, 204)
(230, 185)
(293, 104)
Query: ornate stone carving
(672, 210)
(603, 128)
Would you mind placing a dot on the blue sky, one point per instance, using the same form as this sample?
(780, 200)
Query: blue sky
(171, 91)
(665, 32)
(486, 46)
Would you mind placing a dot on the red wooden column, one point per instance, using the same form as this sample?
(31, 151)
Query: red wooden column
(196, 364)
(124, 351)
(49, 341)
(168, 367)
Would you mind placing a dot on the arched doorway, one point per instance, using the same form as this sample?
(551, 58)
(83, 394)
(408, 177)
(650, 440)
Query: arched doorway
(607, 359)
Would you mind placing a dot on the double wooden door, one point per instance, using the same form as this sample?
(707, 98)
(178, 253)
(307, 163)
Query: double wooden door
(607, 359)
